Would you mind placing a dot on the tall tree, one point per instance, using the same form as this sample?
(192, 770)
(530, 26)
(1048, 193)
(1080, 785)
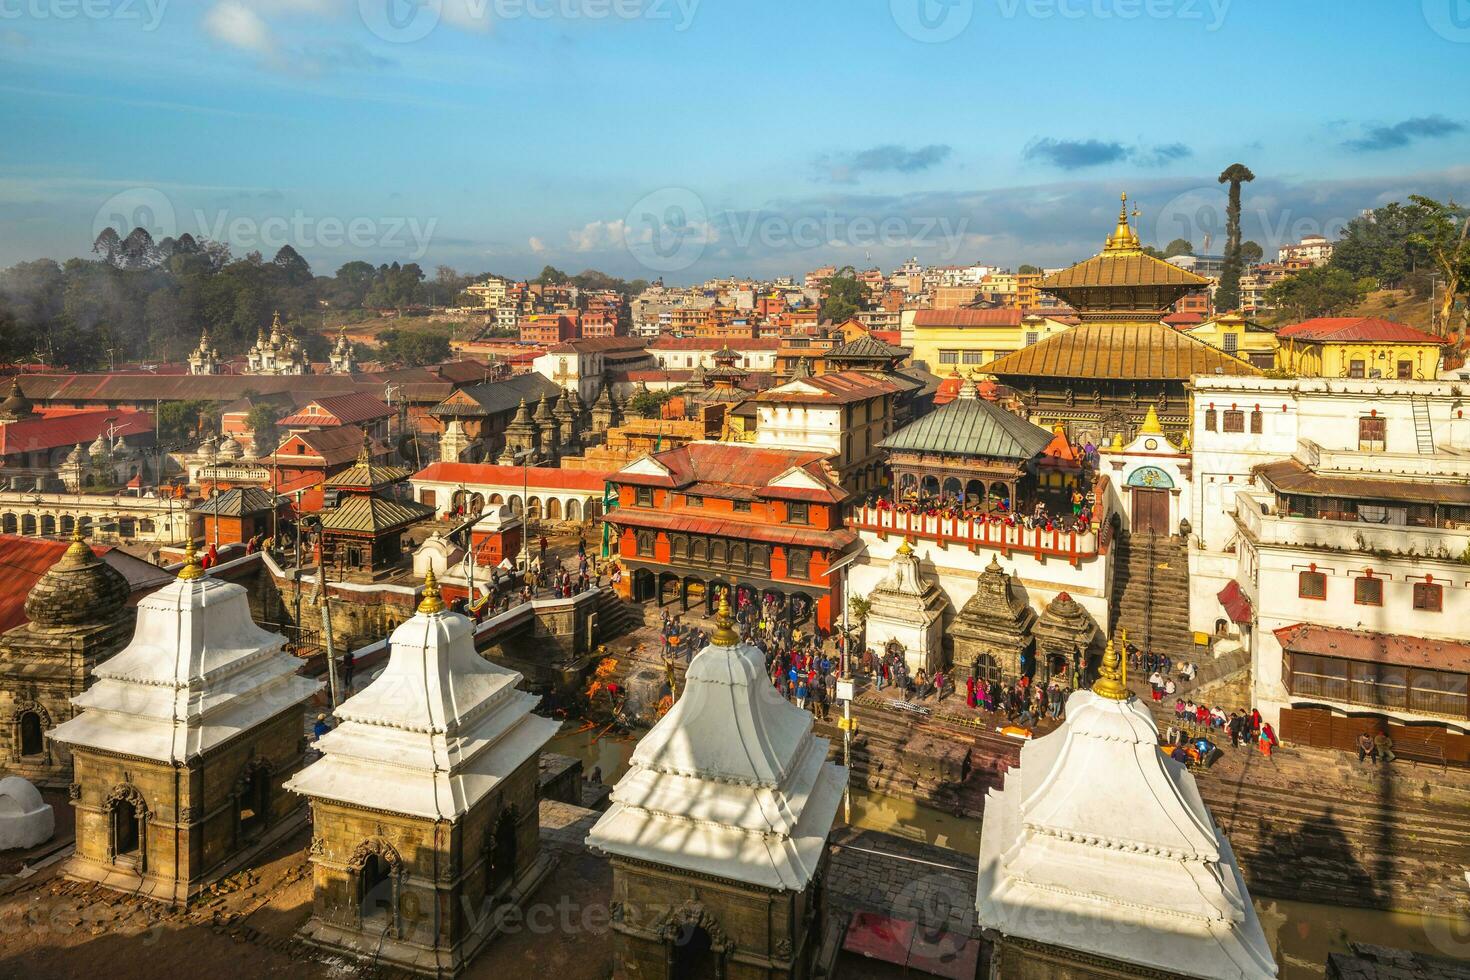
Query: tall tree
(1448, 248)
(845, 296)
(1227, 297)
(1178, 246)
(1319, 291)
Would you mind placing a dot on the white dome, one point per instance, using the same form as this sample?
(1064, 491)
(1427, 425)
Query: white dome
(25, 818)
(231, 449)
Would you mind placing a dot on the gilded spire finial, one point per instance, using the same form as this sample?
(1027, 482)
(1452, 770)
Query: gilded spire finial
(191, 569)
(78, 550)
(724, 635)
(905, 548)
(1109, 683)
(1123, 238)
(1151, 423)
(432, 602)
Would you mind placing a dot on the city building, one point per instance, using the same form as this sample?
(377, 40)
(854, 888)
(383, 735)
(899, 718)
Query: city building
(491, 293)
(550, 329)
(674, 353)
(765, 523)
(182, 744)
(1257, 281)
(363, 521)
(1315, 249)
(846, 415)
(717, 833)
(551, 493)
(945, 341)
(369, 413)
(1098, 859)
(1330, 523)
(424, 802)
(584, 365)
(1239, 336)
(1359, 347)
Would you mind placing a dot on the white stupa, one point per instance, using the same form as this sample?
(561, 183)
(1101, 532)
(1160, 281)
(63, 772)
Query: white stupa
(197, 673)
(907, 608)
(25, 818)
(731, 782)
(1100, 844)
(436, 731)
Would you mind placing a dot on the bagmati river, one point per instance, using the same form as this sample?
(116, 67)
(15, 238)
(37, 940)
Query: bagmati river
(1301, 933)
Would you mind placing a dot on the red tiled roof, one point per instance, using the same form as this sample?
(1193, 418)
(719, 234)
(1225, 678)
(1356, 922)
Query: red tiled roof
(1378, 648)
(339, 410)
(53, 432)
(715, 343)
(746, 469)
(537, 477)
(588, 345)
(23, 560)
(835, 540)
(1236, 604)
(839, 387)
(968, 318)
(337, 445)
(894, 337)
(1357, 329)
(1184, 319)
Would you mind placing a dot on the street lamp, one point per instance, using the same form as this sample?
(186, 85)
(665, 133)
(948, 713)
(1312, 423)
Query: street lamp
(844, 679)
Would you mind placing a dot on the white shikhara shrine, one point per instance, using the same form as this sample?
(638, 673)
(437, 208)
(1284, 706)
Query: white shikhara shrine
(197, 674)
(1100, 845)
(435, 732)
(731, 782)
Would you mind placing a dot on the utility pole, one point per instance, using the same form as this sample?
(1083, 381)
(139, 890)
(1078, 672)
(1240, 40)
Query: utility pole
(325, 603)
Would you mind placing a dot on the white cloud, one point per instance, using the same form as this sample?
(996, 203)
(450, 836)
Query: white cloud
(537, 245)
(236, 25)
(596, 235)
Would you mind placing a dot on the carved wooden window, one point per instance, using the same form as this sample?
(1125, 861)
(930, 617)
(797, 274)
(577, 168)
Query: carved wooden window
(1234, 420)
(1368, 591)
(1428, 597)
(1312, 585)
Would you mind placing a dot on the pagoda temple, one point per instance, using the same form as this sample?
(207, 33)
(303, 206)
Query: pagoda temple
(718, 831)
(1099, 378)
(363, 531)
(1099, 860)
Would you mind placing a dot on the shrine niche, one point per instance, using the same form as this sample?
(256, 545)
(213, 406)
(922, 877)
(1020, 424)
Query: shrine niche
(1150, 478)
(1066, 642)
(992, 633)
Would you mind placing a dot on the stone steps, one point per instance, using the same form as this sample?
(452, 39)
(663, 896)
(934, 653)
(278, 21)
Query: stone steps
(1159, 616)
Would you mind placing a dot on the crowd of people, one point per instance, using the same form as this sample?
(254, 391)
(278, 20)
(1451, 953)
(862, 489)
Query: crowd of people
(1073, 513)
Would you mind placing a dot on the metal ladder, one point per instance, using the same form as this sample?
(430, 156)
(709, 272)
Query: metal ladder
(1423, 426)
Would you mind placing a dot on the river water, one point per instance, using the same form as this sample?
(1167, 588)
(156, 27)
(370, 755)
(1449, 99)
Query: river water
(1301, 934)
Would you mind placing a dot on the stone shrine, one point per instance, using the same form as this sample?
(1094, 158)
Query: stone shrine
(78, 618)
(718, 831)
(424, 802)
(1099, 861)
(182, 743)
(907, 614)
(992, 633)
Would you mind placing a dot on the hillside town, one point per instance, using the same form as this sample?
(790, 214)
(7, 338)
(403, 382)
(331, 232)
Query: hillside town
(1140, 594)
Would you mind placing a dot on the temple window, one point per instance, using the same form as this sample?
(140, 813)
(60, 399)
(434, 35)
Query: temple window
(1428, 597)
(796, 512)
(1258, 422)
(798, 563)
(1372, 434)
(1368, 592)
(1312, 585)
(645, 496)
(1356, 369)
(31, 741)
(1210, 423)
(1405, 370)
(1234, 420)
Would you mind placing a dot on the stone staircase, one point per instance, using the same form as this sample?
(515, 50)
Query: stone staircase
(1151, 594)
(615, 617)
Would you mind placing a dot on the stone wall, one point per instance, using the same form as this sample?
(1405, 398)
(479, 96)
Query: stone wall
(191, 831)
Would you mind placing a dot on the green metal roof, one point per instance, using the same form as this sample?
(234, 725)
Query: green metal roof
(971, 426)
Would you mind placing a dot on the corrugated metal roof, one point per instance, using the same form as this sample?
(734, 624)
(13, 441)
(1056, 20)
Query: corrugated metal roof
(1118, 352)
(237, 502)
(968, 318)
(490, 475)
(866, 348)
(835, 540)
(1292, 476)
(36, 434)
(839, 387)
(1377, 648)
(345, 409)
(971, 427)
(736, 465)
(1357, 329)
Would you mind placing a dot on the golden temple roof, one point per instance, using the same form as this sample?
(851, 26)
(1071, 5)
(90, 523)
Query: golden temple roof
(1122, 262)
(1121, 351)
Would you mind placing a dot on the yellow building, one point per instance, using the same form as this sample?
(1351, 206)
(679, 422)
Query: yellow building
(1234, 334)
(1358, 347)
(945, 340)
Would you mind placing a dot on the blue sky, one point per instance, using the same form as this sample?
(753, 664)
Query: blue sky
(700, 137)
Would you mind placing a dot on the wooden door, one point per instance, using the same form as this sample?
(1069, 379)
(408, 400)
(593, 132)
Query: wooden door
(1150, 511)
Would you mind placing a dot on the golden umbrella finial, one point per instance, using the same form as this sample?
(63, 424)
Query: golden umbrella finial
(191, 569)
(724, 635)
(78, 551)
(1109, 683)
(432, 602)
(905, 548)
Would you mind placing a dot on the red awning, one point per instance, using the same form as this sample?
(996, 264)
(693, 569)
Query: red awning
(1236, 604)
